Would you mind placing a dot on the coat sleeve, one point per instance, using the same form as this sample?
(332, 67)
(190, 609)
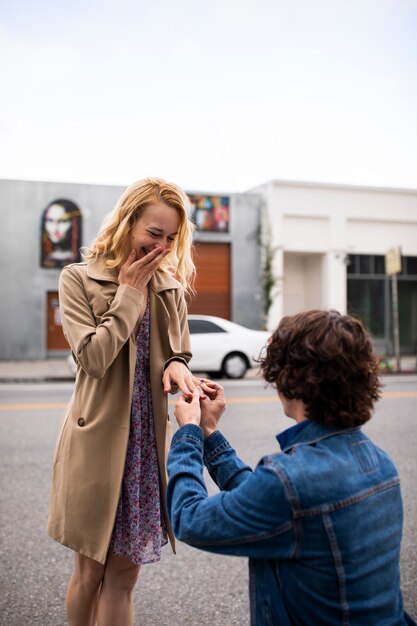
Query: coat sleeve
(96, 345)
(181, 349)
(252, 519)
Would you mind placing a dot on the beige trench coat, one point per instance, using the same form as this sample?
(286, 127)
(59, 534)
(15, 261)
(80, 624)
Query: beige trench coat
(98, 318)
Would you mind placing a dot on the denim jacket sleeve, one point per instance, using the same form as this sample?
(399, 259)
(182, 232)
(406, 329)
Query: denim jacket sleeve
(252, 518)
(223, 464)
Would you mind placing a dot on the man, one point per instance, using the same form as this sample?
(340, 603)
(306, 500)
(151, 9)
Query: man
(321, 522)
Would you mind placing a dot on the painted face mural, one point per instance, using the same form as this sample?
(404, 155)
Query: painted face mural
(61, 234)
(57, 223)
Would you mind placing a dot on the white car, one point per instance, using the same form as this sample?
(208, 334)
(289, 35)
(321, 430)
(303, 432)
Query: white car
(223, 348)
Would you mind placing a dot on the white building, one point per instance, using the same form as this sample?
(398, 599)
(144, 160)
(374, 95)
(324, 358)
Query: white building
(330, 243)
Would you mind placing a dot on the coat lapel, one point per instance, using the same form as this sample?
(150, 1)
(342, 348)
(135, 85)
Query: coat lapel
(97, 270)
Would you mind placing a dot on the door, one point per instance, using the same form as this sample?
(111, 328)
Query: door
(56, 341)
(213, 280)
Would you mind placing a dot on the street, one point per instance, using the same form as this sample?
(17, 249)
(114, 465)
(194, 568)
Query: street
(190, 588)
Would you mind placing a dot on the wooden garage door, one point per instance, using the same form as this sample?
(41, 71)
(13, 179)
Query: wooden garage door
(213, 284)
(55, 336)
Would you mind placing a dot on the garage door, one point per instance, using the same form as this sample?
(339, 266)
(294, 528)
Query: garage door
(55, 336)
(213, 281)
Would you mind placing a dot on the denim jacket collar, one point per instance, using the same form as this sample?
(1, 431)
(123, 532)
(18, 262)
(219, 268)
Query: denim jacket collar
(308, 432)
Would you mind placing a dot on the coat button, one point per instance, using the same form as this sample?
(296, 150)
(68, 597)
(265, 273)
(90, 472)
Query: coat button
(81, 421)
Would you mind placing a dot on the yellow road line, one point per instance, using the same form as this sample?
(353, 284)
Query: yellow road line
(252, 399)
(399, 394)
(268, 399)
(241, 400)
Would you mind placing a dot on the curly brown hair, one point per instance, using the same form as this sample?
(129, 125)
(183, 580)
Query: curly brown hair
(326, 360)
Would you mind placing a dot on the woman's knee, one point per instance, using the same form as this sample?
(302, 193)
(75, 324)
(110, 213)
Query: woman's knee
(88, 573)
(120, 573)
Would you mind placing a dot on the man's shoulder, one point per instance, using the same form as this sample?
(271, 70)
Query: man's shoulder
(333, 469)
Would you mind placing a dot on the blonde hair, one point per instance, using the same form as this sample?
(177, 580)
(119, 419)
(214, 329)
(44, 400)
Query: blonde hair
(112, 240)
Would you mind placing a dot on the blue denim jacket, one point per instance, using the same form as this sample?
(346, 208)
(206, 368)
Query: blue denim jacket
(321, 523)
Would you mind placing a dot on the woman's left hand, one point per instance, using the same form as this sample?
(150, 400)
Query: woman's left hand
(178, 373)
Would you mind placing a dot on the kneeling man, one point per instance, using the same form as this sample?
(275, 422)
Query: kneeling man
(321, 521)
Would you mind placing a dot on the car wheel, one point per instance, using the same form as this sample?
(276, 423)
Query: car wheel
(235, 365)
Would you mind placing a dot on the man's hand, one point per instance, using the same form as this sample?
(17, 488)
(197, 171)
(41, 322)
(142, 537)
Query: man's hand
(213, 405)
(188, 411)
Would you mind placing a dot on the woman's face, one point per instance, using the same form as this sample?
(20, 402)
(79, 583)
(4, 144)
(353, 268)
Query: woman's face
(157, 226)
(57, 223)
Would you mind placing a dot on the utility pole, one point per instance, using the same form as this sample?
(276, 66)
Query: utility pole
(392, 268)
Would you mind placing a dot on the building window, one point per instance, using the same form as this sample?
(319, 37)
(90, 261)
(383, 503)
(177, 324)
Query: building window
(60, 234)
(379, 264)
(365, 264)
(210, 213)
(410, 265)
(367, 292)
(366, 300)
(369, 297)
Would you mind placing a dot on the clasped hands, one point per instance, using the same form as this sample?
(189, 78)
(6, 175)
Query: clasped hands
(204, 409)
(202, 401)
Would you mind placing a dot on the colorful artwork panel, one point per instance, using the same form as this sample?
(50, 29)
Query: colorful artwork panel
(210, 213)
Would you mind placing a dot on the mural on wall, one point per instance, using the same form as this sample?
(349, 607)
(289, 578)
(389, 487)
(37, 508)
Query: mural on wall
(60, 234)
(210, 213)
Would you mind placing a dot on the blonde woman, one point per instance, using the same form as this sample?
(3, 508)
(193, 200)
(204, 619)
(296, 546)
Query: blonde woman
(124, 316)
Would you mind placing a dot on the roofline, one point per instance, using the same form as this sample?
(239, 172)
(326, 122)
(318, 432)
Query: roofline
(197, 192)
(252, 190)
(347, 186)
(59, 182)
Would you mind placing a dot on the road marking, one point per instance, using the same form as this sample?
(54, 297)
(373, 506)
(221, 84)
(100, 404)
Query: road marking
(399, 394)
(252, 399)
(50, 406)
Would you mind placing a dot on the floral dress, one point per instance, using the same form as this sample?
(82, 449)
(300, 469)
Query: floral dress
(139, 530)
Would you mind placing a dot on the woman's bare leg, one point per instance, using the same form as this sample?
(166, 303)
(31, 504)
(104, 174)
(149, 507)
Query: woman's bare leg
(83, 590)
(115, 602)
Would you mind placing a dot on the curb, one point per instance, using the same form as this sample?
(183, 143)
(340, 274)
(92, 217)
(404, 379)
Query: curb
(38, 379)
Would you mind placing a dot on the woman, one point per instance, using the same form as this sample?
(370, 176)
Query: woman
(125, 318)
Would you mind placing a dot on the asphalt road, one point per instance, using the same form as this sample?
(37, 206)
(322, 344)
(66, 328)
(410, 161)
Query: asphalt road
(192, 588)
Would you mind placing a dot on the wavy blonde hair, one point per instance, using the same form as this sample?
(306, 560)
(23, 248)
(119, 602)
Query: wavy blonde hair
(112, 240)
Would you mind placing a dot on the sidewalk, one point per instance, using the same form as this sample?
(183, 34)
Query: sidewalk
(58, 370)
(54, 370)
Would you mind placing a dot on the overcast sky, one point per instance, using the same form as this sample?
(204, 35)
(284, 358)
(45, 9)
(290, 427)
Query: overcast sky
(216, 95)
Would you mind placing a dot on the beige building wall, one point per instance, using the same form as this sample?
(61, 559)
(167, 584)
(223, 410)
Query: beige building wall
(303, 276)
(314, 227)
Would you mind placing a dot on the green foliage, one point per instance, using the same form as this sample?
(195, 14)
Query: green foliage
(268, 251)
(269, 280)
